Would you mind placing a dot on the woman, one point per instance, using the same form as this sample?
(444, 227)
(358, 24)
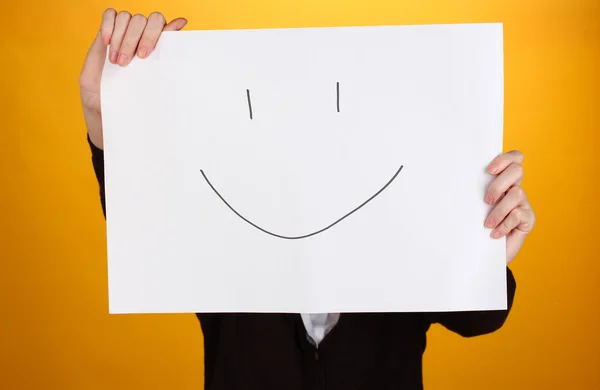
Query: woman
(371, 351)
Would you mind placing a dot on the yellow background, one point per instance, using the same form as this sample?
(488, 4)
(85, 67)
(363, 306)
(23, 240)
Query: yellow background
(55, 332)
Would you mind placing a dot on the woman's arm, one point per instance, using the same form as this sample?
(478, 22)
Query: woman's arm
(512, 218)
(477, 323)
(98, 164)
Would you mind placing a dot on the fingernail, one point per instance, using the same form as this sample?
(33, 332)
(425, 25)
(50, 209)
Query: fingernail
(494, 168)
(113, 57)
(181, 24)
(496, 234)
(490, 222)
(122, 59)
(142, 52)
(489, 199)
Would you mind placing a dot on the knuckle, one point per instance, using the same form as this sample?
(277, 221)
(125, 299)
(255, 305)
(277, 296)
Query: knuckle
(518, 214)
(518, 193)
(138, 18)
(123, 17)
(110, 12)
(518, 155)
(518, 168)
(157, 17)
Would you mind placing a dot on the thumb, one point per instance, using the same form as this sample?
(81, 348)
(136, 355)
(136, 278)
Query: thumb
(94, 61)
(175, 24)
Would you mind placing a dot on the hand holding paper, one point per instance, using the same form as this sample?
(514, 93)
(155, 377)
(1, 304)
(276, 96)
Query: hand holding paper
(512, 216)
(126, 36)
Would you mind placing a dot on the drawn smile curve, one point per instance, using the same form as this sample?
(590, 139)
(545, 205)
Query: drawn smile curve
(306, 235)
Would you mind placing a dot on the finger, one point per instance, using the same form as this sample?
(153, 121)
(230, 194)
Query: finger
(108, 25)
(175, 24)
(511, 176)
(501, 162)
(519, 218)
(514, 198)
(132, 38)
(514, 241)
(155, 25)
(96, 55)
(121, 24)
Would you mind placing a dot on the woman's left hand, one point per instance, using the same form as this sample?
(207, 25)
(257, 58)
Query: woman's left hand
(512, 215)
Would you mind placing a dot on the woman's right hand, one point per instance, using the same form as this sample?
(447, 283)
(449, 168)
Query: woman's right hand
(124, 36)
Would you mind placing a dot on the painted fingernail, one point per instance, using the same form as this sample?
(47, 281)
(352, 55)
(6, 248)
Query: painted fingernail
(142, 53)
(113, 57)
(489, 199)
(490, 222)
(122, 59)
(493, 168)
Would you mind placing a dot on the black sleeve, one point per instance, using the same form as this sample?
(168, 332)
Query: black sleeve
(98, 164)
(476, 323)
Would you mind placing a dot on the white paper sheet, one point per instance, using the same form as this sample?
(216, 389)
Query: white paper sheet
(231, 157)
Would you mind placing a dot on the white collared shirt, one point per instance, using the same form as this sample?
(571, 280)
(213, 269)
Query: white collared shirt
(318, 325)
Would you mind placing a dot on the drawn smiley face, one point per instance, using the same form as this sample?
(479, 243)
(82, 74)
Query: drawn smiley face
(307, 235)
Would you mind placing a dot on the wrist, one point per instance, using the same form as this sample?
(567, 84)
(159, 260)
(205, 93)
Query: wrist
(93, 121)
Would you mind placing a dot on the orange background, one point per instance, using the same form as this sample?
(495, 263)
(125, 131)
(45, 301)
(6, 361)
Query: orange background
(55, 332)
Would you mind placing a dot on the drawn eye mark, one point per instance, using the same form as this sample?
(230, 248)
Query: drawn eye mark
(249, 103)
(338, 96)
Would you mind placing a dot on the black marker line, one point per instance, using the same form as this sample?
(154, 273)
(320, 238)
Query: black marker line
(338, 97)
(249, 103)
(307, 235)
